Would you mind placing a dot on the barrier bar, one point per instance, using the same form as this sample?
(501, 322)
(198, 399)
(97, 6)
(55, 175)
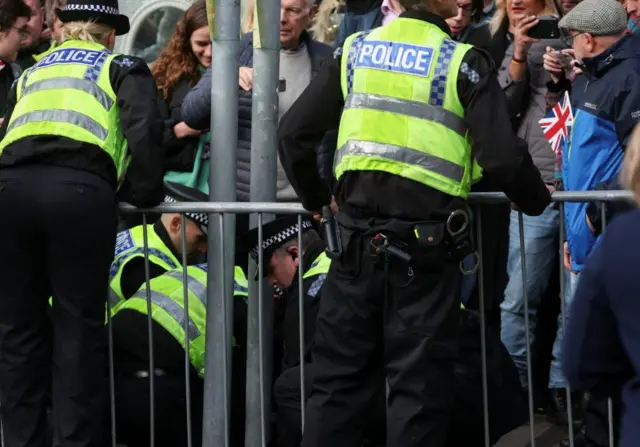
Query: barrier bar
(523, 261)
(563, 315)
(187, 360)
(303, 395)
(147, 281)
(483, 328)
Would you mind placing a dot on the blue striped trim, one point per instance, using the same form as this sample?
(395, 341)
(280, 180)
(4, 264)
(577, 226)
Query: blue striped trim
(352, 56)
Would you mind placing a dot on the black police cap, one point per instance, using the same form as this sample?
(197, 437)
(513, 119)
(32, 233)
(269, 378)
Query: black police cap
(175, 192)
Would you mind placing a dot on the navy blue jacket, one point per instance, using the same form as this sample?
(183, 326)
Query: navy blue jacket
(196, 108)
(601, 351)
(606, 107)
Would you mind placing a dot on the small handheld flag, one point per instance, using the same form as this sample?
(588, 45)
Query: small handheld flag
(557, 122)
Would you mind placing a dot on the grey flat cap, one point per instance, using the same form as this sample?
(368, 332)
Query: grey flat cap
(597, 17)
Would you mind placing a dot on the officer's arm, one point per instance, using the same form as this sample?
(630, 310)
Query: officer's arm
(302, 129)
(498, 150)
(11, 103)
(143, 126)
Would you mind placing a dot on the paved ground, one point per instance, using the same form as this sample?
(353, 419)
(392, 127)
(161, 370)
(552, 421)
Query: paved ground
(546, 435)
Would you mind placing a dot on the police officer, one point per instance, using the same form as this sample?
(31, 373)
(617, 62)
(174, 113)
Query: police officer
(76, 120)
(282, 258)
(131, 357)
(164, 239)
(419, 111)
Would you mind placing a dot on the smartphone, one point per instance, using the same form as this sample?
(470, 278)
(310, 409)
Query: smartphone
(547, 28)
(565, 60)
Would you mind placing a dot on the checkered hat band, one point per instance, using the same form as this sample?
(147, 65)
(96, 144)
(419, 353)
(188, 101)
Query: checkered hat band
(93, 8)
(279, 238)
(201, 218)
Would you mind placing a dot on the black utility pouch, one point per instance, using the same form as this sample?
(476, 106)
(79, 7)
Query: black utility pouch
(431, 243)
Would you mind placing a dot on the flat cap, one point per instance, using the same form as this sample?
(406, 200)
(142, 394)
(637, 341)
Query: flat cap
(176, 192)
(596, 17)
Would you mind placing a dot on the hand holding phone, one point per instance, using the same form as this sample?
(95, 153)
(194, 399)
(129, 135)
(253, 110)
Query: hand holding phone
(521, 39)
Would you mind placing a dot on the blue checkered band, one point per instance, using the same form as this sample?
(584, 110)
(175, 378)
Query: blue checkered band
(280, 238)
(317, 285)
(473, 75)
(200, 218)
(93, 72)
(352, 57)
(439, 83)
(124, 242)
(93, 8)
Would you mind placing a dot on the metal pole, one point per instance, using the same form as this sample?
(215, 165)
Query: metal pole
(222, 188)
(264, 126)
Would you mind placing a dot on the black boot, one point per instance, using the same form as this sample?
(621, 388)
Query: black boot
(557, 412)
(579, 440)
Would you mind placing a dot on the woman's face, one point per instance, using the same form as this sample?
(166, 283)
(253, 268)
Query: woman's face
(518, 9)
(462, 19)
(201, 46)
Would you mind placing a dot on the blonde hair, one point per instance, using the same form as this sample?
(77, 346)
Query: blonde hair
(323, 30)
(630, 175)
(87, 31)
(50, 10)
(501, 13)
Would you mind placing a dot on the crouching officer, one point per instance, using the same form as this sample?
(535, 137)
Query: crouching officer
(413, 137)
(164, 239)
(131, 357)
(81, 125)
(283, 258)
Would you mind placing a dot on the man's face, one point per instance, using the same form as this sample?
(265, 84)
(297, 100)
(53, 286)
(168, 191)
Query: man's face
(458, 23)
(295, 17)
(632, 8)
(282, 268)
(35, 23)
(195, 239)
(582, 44)
(12, 39)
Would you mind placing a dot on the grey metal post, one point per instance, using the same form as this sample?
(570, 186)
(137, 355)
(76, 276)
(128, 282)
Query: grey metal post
(221, 248)
(264, 126)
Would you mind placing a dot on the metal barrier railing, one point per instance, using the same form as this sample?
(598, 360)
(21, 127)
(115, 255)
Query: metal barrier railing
(220, 307)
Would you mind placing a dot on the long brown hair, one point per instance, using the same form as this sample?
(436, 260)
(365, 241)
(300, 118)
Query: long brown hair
(177, 61)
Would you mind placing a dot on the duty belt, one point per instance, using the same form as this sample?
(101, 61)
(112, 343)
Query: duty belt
(437, 241)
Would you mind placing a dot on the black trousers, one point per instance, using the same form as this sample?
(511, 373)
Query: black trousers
(409, 334)
(133, 421)
(286, 394)
(57, 234)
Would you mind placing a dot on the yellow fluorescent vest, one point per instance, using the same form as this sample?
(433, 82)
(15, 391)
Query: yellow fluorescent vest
(319, 266)
(130, 245)
(402, 113)
(68, 93)
(168, 310)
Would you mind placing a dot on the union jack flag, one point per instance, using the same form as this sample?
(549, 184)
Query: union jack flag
(557, 122)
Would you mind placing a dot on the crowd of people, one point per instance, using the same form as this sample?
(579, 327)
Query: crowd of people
(392, 349)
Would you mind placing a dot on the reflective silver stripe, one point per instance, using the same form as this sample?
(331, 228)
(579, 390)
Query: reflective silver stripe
(402, 154)
(114, 299)
(172, 308)
(199, 290)
(61, 116)
(73, 83)
(415, 109)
